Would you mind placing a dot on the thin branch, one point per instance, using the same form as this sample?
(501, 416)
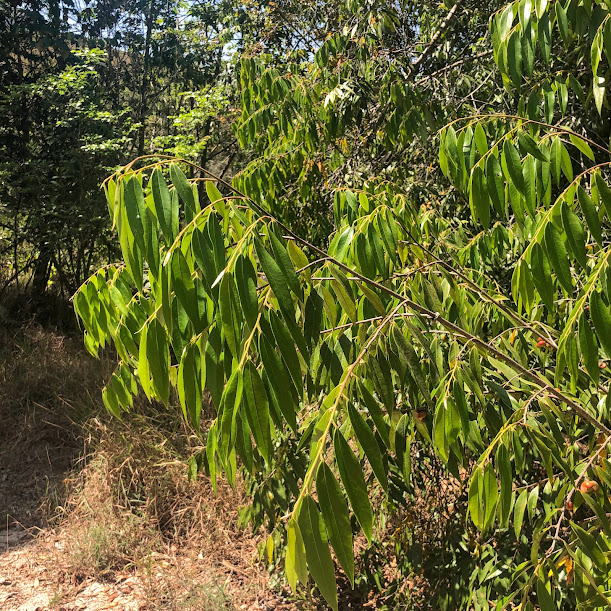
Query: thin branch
(433, 43)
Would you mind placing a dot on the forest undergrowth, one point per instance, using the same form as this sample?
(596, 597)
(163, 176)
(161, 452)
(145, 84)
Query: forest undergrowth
(94, 499)
(89, 500)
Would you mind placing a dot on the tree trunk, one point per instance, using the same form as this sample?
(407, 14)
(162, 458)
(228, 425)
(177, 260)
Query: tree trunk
(145, 81)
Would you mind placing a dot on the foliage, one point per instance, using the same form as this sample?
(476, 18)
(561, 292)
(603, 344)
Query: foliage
(482, 335)
(69, 135)
(84, 88)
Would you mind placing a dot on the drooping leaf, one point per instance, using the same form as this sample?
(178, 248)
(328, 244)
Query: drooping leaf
(257, 410)
(336, 518)
(601, 317)
(354, 483)
(295, 563)
(275, 277)
(158, 356)
(317, 550)
(369, 444)
(556, 251)
(163, 206)
(190, 383)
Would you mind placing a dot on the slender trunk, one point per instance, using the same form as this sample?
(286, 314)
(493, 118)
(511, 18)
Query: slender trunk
(206, 131)
(145, 81)
(42, 273)
(16, 244)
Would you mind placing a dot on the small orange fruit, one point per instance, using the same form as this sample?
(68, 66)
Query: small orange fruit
(589, 486)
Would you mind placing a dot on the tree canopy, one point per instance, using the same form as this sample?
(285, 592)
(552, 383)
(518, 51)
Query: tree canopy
(394, 275)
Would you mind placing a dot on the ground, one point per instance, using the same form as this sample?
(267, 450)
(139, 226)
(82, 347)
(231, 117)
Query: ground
(98, 515)
(36, 575)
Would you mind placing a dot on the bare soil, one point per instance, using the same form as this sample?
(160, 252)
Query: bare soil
(86, 523)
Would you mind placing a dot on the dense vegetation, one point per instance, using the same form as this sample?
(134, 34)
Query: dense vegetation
(379, 244)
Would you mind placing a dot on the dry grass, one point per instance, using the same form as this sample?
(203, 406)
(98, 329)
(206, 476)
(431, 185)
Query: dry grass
(119, 508)
(48, 388)
(115, 495)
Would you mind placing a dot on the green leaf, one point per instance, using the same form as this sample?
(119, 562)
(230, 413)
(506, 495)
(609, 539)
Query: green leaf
(556, 251)
(478, 197)
(476, 503)
(285, 264)
(246, 281)
(382, 381)
(230, 314)
(204, 257)
(276, 278)
(461, 405)
(184, 288)
(369, 444)
(540, 8)
(228, 411)
(375, 411)
(513, 163)
(480, 139)
(533, 498)
(354, 483)
(336, 517)
(518, 512)
(215, 377)
(215, 197)
(541, 275)
(257, 410)
(563, 25)
(514, 59)
(110, 399)
(495, 183)
(190, 383)
(144, 373)
(388, 231)
(287, 350)
(546, 602)
(528, 145)
(590, 546)
(589, 349)
(409, 355)
(503, 463)
(591, 214)
(545, 38)
(211, 440)
(490, 495)
(576, 236)
(582, 145)
(163, 205)
(183, 187)
(601, 317)
(317, 550)
(524, 13)
(135, 210)
(295, 562)
(344, 298)
(446, 427)
(604, 192)
(530, 186)
(158, 355)
(281, 385)
(556, 158)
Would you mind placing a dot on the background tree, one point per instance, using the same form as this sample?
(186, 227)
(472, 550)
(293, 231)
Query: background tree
(86, 87)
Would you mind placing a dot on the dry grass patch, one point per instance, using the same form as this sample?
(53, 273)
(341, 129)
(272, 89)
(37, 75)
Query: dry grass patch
(122, 522)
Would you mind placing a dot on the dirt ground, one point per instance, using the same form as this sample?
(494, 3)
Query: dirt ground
(72, 534)
(36, 575)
